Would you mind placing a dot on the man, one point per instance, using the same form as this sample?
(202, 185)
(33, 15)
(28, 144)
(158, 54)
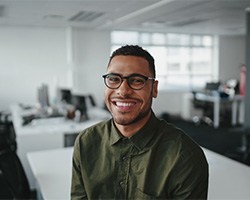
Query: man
(135, 155)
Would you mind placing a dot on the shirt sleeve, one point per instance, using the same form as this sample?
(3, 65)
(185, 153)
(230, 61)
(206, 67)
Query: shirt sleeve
(190, 176)
(77, 185)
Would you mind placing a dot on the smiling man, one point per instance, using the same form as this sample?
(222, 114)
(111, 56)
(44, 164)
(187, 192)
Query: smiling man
(135, 155)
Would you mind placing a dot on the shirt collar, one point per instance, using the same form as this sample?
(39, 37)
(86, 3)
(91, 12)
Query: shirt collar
(142, 137)
(146, 133)
(115, 135)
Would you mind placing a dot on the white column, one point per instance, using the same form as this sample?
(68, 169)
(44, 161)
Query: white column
(247, 95)
(234, 111)
(216, 112)
(70, 57)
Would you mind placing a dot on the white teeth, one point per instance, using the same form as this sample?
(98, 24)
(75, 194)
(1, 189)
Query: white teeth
(123, 104)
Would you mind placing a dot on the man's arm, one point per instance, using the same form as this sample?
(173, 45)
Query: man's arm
(77, 186)
(190, 177)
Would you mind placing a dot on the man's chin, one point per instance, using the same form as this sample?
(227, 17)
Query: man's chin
(125, 121)
(122, 121)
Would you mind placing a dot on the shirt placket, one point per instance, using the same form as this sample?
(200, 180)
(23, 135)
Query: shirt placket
(124, 168)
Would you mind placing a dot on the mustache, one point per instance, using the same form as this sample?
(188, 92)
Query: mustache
(125, 97)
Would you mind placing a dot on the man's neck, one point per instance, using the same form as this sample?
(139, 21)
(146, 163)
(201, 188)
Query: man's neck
(130, 129)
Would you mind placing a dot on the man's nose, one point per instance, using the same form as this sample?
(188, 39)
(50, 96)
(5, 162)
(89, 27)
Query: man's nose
(124, 88)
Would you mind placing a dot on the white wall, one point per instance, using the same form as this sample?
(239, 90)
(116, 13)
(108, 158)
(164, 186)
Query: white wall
(169, 102)
(92, 54)
(29, 57)
(231, 56)
(32, 56)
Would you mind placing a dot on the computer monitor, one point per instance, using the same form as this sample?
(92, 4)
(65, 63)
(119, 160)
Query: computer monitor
(92, 100)
(65, 95)
(79, 102)
(43, 96)
(211, 86)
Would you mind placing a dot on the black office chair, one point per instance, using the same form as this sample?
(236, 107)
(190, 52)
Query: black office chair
(13, 180)
(12, 177)
(5, 191)
(7, 134)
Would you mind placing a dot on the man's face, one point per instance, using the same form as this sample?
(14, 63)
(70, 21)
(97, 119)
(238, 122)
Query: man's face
(127, 105)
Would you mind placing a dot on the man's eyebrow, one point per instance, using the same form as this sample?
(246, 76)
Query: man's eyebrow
(132, 74)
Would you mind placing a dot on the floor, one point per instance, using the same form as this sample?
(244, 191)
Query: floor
(226, 140)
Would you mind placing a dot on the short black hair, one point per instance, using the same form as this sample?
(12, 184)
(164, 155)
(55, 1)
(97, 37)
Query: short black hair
(135, 50)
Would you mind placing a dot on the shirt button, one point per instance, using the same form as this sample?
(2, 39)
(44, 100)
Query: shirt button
(121, 183)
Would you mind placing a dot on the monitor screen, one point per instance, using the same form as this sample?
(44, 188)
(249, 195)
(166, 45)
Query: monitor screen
(65, 95)
(79, 101)
(213, 85)
(43, 95)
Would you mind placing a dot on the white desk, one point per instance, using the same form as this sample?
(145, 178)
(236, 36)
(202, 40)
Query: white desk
(228, 179)
(45, 134)
(237, 105)
(52, 170)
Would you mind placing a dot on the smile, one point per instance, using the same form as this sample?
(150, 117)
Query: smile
(124, 104)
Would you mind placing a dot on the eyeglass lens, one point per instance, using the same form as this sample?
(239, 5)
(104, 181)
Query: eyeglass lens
(114, 81)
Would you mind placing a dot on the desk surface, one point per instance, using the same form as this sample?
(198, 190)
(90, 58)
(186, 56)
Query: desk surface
(52, 168)
(54, 125)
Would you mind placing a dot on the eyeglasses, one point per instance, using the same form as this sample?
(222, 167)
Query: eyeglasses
(135, 81)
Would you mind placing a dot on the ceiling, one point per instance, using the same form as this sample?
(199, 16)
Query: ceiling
(223, 17)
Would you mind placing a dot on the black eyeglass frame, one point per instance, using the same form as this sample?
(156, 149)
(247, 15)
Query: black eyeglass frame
(127, 77)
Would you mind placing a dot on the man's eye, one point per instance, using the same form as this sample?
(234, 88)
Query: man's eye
(113, 79)
(137, 81)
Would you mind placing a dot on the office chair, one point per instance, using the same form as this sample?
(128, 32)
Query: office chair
(5, 191)
(12, 177)
(7, 134)
(13, 180)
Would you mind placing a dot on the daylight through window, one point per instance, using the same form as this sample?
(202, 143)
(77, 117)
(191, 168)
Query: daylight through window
(182, 61)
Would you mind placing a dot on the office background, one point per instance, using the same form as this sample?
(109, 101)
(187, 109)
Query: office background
(76, 58)
(72, 55)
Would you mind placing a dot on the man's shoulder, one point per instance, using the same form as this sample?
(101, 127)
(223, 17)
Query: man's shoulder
(172, 133)
(178, 142)
(169, 130)
(97, 130)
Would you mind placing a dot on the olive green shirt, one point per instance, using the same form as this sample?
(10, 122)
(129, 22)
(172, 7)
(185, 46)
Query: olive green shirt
(158, 162)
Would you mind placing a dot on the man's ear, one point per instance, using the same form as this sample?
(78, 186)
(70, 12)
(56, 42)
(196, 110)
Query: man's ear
(155, 89)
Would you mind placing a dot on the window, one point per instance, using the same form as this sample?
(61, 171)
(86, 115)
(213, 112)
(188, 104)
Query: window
(182, 61)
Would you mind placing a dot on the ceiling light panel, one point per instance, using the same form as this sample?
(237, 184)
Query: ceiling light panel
(86, 16)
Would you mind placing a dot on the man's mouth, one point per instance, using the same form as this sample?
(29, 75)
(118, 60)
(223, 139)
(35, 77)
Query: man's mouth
(124, 104)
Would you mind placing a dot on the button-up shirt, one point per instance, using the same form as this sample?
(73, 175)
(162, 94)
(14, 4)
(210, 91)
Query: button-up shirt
(159, 161)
